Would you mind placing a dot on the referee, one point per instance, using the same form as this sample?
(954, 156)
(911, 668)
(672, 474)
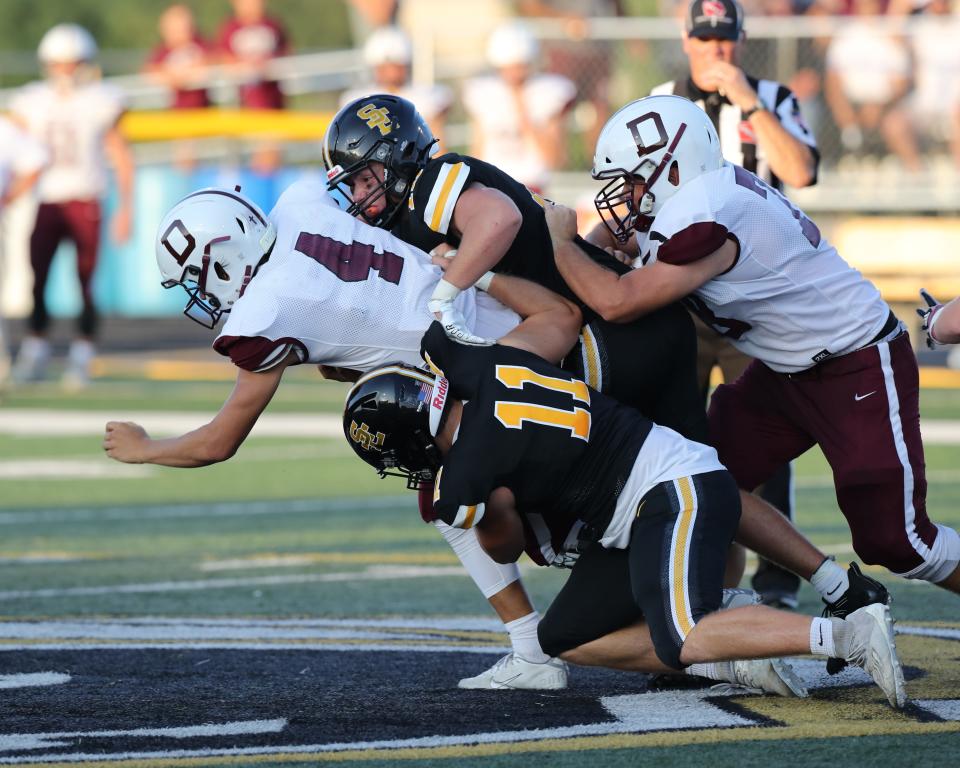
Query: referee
(760, 128)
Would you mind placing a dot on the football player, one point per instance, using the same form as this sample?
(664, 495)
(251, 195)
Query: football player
(312, 284)
(377, 157)
(75, 116)
(833, 364)
(507, 437)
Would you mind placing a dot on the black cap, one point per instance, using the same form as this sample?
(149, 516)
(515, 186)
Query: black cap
(715, 18)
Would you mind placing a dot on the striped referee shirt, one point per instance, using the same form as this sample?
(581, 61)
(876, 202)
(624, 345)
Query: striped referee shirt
(738, 140)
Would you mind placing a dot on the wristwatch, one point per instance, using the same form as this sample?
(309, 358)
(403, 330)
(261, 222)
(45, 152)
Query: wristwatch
(758, 106)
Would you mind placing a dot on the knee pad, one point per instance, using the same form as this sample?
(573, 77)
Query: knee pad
(941, 559)
(489, 576)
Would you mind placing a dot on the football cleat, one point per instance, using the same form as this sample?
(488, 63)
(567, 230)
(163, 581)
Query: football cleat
(872, 647)
(513, 672)
(760, 676)
(862, 591)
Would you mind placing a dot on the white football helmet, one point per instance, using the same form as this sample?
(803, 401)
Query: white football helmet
(648, 150)
(512, 43)
(67, 43)
(212, 243)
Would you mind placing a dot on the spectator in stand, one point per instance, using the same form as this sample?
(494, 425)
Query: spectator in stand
(75, 116)
(389, 55)
(933, 108)
(248, 41)
(22, 159)
(181, 60)
(519, 118)
(868, 74)
(181, 63)
(586, 62)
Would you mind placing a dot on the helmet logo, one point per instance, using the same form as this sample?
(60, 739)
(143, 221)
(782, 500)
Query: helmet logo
(376, 117)
(366, 440)
(648, 133)
(180, 251)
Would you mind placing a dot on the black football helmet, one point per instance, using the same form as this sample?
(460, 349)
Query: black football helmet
(387, 421)
(384, 129)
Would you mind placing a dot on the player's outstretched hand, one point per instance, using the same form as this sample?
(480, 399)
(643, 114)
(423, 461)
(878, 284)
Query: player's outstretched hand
(122, 441)
(454, 324)
(928, 315)
(561, 221)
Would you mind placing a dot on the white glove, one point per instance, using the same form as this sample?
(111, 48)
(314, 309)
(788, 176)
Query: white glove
(453, 322)
(929, 317)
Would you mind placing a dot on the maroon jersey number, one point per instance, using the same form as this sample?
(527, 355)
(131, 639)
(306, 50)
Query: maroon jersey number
(350, 262)
(749, 181)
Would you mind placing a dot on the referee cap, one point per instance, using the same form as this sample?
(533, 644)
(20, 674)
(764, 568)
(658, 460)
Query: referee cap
(715, 18)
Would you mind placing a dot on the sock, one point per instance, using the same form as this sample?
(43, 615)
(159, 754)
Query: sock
(830, 580)
(830, 637)
(710, 671)
(523, 638)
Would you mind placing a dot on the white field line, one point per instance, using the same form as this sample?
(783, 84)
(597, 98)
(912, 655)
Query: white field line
(71, 469)
(33, 422)
(372, 573)
(201, 511)
(33, 680)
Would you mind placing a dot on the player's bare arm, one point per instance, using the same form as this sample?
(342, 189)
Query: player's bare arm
(120, 156)
(551, 323)
(500, 532)
(621, 298)
(214, 442)
(487, 222)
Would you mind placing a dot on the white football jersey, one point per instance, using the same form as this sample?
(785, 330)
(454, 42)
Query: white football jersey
(789, 300)
(340, 292)
(20, 154)
(491, 105)
(71, 124)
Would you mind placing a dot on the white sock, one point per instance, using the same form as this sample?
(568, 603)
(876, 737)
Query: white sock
(830, 580)
(523, 638)
(830, 637)
(710, 671)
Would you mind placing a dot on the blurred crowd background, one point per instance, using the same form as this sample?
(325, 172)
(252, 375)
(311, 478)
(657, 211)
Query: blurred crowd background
(219, 92)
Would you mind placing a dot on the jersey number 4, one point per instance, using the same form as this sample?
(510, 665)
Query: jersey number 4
(513, 414)
(351, 263)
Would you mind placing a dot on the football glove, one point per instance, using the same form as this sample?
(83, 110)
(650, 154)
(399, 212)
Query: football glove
(928, 315)
(452, 320)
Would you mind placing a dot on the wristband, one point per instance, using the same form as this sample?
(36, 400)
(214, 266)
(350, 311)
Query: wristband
(444, 291)
(758, 106)
(483, 282)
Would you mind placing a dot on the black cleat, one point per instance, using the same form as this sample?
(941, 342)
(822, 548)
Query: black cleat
(862, 591)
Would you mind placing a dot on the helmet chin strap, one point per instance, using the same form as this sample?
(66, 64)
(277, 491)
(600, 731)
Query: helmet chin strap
(664, 163)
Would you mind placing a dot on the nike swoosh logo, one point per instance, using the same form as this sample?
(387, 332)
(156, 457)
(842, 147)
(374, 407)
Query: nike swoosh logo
(508, 680)
(821, 635)
(834, 590)
(858, 398)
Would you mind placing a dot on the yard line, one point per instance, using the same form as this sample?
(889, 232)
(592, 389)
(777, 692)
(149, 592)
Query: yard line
(37, 422)
(373, 573)
(212, 509)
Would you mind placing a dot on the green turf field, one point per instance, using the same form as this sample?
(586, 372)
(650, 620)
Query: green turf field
(297, 528)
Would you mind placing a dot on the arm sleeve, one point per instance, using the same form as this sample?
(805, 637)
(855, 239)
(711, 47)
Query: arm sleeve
(258, 353)
(693, 243)
(437, 191)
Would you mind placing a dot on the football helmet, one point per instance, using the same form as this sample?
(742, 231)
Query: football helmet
(211, 244)
(384, 129)
(658, 143)
(391, 417)
(67, 43)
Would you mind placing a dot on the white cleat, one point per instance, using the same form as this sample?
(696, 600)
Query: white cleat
(512, 672)
(758, 676)
(873, 648)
